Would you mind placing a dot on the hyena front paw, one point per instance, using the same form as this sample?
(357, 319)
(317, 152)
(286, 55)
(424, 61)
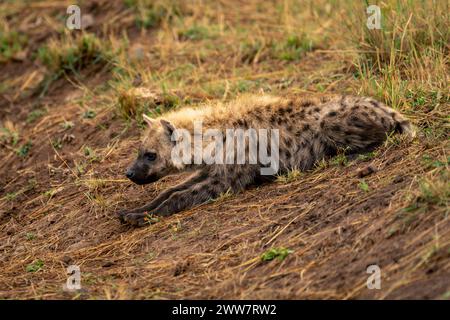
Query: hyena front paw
(121, 215)
(134, 218)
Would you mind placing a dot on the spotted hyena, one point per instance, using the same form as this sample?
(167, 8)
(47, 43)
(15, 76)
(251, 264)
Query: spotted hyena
(309, 129)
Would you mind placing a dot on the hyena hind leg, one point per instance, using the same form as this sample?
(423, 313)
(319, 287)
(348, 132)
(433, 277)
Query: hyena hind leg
(359, 133)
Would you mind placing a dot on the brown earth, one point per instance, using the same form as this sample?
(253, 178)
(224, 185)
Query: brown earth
(55, 214)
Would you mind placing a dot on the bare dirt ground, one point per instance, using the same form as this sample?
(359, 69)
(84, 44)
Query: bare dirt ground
(65, 145)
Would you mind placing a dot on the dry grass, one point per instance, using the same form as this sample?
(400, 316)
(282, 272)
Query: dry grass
(65, 141)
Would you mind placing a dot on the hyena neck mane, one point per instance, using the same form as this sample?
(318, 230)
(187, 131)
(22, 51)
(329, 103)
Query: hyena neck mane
(219, 115)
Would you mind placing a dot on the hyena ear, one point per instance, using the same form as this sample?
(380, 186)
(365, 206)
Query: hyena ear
(168, 127)
(148, 120)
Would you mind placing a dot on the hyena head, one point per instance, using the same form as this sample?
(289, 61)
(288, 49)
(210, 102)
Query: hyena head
(154, 155)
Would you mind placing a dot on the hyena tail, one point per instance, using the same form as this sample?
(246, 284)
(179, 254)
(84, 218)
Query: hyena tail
(394, 121)
(363, 131)
(403, 126)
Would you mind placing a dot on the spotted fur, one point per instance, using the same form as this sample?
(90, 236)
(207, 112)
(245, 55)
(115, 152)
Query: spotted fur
(310, 129)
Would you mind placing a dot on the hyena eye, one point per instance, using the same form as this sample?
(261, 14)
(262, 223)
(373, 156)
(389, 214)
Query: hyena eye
(150, 156)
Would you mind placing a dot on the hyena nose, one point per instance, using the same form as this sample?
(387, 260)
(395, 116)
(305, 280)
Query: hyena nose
(129, 174)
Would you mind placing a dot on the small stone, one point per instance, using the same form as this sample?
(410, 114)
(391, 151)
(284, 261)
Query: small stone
(137, 52)
(87, 20)
(68, 138)
(77, 246)
(398, 179)
(361, 173)
(108, 264)
(20, 56)
(66, 260)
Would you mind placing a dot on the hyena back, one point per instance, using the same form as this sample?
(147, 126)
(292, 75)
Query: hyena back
(310, 129)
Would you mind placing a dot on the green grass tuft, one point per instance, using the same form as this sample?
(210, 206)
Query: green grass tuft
(24, 149)
(293, 48)
(11, 43)
(35, 266)
(279, 253)
(71, 54)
